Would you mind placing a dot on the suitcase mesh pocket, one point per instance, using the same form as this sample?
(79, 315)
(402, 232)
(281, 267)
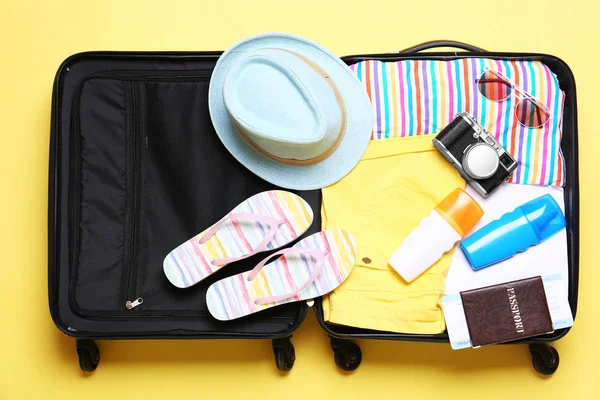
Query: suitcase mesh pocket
(176, 126)
(136, 195)
(149, 195)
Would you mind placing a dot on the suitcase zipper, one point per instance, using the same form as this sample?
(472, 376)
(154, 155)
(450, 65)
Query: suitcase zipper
(129, 275)
(152, 76)
(136, 167)
(132, 304)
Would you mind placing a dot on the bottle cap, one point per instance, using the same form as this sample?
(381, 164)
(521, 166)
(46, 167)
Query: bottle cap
(545, 216)
(460, 210)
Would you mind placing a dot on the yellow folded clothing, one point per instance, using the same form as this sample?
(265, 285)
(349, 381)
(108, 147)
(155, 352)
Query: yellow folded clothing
(395, 185)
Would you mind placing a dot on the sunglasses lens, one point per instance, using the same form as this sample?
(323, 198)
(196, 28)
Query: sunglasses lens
(530, 114)
(493, 87)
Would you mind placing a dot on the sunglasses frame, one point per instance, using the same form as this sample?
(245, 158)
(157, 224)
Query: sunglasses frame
(520, 94)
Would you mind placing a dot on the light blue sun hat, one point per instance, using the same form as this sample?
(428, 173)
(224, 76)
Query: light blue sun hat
(290, 111)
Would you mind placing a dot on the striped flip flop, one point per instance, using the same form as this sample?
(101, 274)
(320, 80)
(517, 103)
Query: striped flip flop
(265, 221)
(311, 268)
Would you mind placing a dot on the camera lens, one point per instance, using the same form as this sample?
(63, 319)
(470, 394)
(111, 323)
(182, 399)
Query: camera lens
(480, 161)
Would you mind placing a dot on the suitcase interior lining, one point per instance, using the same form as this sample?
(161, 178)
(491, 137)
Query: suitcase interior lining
(145, 143)
(569, 147)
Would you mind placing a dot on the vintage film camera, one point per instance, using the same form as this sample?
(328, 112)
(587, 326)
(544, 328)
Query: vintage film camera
(475, 153)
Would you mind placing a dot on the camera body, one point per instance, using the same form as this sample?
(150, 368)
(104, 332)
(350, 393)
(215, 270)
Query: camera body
(475, 153)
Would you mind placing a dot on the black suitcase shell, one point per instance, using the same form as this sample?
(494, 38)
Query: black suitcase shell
(136, 169)
(101, 102)
(545, 358)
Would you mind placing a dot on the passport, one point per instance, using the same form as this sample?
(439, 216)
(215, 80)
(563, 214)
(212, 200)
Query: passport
(506, 312)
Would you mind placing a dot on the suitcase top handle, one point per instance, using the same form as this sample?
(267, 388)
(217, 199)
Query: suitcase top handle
(441, 43)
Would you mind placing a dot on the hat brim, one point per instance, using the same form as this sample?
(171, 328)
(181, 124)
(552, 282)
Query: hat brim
(303, 177)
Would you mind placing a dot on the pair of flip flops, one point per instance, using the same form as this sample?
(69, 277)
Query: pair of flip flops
(267, 221)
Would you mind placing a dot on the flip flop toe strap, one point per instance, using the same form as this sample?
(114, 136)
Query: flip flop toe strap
(319, 257)
(273, 224)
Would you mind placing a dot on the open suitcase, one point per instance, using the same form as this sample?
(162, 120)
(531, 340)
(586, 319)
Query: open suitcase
(136, 168)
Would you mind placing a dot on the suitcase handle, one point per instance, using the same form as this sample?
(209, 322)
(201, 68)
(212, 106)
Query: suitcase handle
(441, 43)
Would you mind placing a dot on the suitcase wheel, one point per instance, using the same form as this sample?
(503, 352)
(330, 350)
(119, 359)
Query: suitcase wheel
(89, 355)
(285, 354)
(545, 358)
(347, 355)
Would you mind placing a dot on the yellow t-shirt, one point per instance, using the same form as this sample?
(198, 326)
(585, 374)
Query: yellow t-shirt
(395, 185)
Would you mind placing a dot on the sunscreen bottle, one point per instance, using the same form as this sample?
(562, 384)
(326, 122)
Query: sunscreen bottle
(437, 233)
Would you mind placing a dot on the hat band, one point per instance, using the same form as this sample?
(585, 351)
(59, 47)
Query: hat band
(336, 142)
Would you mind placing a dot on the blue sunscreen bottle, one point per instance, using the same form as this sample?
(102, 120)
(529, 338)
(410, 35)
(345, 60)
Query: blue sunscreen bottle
(516, 231)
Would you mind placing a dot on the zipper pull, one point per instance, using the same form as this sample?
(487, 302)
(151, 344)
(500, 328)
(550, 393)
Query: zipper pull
(134, 303)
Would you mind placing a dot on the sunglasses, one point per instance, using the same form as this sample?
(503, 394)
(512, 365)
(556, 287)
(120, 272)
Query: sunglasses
(493, 85)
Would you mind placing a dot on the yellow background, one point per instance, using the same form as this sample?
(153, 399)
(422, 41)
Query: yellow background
(37, 361)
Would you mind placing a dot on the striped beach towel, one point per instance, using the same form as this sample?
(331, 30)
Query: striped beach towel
(420, 97)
